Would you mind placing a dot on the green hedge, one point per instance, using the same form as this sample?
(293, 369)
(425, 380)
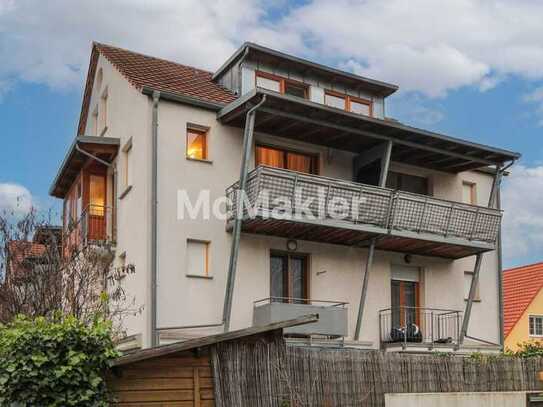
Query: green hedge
(54, 363)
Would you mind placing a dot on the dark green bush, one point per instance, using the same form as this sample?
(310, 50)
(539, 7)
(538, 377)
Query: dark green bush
(54, 363)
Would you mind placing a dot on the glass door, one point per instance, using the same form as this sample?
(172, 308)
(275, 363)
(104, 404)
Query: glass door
(97, 207)
(289, 278)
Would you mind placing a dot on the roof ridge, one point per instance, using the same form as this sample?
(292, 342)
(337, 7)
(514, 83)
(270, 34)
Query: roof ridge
(100, 44)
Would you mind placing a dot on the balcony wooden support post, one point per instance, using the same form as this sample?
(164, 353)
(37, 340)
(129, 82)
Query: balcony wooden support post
(238, 216)
(478, 262)
(385, 163)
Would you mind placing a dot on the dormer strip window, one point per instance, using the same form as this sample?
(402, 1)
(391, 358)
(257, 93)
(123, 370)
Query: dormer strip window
(281, 85)
(348, 103)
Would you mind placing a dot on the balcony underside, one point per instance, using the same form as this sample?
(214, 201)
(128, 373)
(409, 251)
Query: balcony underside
(302, 120)
(335, 234)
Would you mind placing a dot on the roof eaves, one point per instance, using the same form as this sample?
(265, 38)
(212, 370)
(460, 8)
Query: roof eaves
(184, 99)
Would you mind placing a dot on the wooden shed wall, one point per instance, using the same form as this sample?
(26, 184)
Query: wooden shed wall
(179, 380)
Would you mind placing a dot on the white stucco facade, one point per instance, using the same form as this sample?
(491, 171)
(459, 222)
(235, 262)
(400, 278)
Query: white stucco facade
(336, 272)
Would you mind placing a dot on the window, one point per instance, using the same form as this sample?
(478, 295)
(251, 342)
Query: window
(289, 277)
(536, 325)
(337, 101)
(94, 122)
(197, 258)
(408, 183)
(268, 83)
(281, 85)
(99, 79)
(102, 113)
(468, 276)
(127, 166)
(97, 195)
(296, 89)
(196, 148)
(360, 106)
(290, 160)
(349, 103)
(469, 193)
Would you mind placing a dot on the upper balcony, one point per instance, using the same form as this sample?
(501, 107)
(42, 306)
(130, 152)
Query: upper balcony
(309, 207)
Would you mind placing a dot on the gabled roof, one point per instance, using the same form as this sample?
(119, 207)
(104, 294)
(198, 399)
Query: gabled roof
(146, 71)
(520, 286)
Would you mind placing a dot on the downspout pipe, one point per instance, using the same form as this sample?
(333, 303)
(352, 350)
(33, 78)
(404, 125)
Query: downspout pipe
(236, 234)
(154, 219)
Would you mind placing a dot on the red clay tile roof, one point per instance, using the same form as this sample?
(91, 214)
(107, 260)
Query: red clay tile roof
(19, 250)
(146, 71)
(520, 286)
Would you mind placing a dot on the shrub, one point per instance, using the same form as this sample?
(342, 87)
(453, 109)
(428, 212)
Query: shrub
(527, 350)
(54, 363)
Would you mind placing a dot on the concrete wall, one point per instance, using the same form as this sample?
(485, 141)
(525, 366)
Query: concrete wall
(491, 399)
(336, 271)
(521, 331)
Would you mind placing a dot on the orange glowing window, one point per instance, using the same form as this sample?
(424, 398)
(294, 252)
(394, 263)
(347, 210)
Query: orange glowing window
(196, 144)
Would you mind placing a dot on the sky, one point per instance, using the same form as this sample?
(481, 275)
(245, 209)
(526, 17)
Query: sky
(467, 68)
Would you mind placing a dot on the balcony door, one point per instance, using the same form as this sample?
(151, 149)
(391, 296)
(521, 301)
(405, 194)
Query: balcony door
(405, 296)
(289, 278)
(286, 159)
(96, 221)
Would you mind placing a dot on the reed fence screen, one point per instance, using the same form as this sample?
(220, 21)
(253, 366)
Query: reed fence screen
(266, 373)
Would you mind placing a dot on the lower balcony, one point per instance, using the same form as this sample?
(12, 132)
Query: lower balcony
(332, 323)
(419, 328)
(308, 207)
(95, 226)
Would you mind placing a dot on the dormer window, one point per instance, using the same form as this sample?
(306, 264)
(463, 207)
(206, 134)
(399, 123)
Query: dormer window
(348, 103)
(281, 85)
(269, 82)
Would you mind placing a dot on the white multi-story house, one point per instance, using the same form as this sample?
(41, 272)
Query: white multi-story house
(399, 249)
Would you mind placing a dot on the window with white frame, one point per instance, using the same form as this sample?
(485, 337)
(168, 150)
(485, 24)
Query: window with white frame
(127, 165)
(102, 112)
(536, 325)
(197, 258)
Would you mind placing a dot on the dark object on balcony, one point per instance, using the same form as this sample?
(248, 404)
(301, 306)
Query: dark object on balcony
(444, 340)
(412, 331)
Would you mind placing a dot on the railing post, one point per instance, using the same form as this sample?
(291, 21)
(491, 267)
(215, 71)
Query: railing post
(405, 331)
(432, 327)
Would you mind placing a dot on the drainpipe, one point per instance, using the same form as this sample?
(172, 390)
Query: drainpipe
(154, 225)
(500, 275)
(106, 163)
(236, 234)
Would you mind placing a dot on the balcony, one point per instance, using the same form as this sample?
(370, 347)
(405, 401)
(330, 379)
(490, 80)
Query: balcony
(332, 323)
(95, 226)
(309, 207)
(419, 327)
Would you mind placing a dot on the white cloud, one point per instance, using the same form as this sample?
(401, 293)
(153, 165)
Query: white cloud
(536, 97)
(522, 202)
(422, 46)
(14, 198)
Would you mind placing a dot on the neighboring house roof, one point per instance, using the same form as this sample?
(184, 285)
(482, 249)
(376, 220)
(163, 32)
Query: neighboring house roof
(150, 72)
(19, 251)
(520, 286)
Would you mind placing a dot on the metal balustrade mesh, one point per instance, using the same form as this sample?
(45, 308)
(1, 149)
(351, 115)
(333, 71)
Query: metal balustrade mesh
(320, 198)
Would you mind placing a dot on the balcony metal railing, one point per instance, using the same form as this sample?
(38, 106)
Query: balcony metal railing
(416, 325)
(96, 225)
(284, 194)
